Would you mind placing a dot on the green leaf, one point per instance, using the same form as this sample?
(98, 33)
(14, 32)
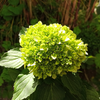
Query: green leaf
(34, 21)
(52, 20)
(13, 2)
(69, 96)
(6, 91)
(12, 59)
(9, 74)
(5, 94)
(9, 91)
(7, 18)
(25, 71)
(5, 11)
(6, 45)
(24, 86)
(52, 91)
(75, 86)
(16, 10)
(97, 60)
(1, 81)
(22, 31)
(13, 73)
(5, 75)
(92, 94)
(90, 61)
(77, 30)
(49, 80)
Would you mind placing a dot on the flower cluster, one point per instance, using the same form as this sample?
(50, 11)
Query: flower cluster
(51, 50)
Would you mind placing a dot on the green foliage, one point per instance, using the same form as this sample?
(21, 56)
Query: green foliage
(90, 61)
(12, 19)
(71, 88)
(1, 81)
(69, 96)
(92, 94)
(66, 87)
(5, 11)
(16, 10)
(40, 39)
(13, 73)
(53, 91)
(12, 59)
(74, 84)
(96, 80)
(6, 45)
(97, 60)
(10, 26)
(90, 33)
(5, 75)
(22, 31)
(46, 11)
(6, 91)
(13, 2)
(51, 50)
(24, 86)
(76, 30)
(34, 21)
(8, 12)
(7, 79)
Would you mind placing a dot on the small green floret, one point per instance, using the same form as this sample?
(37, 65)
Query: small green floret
(51, 50)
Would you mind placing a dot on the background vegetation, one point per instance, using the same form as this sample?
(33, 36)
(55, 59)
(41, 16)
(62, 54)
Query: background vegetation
(82, 16)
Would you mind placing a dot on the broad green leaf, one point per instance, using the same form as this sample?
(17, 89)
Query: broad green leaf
(5, 94)
(16, 10)
(1, 81)
(97, 60)
(34, 21)
(24, 86)
(9, 74)
(9, 91)
(13, 2)
(75, 86)
(6, 45)
(7, 18)
(92, 94)
(5, 11)
(5, 75)
(12, 59)
(77, 30)
(90, 61)
(13, 73)
(22, 31)
(69, 96)
(52, 20)
(25, 71)
(49, 80)
(53, 91)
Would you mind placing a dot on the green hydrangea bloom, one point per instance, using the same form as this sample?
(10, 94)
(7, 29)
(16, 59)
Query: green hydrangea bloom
(51, 50)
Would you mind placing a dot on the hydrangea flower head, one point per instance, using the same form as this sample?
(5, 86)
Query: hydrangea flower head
(51, 50)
